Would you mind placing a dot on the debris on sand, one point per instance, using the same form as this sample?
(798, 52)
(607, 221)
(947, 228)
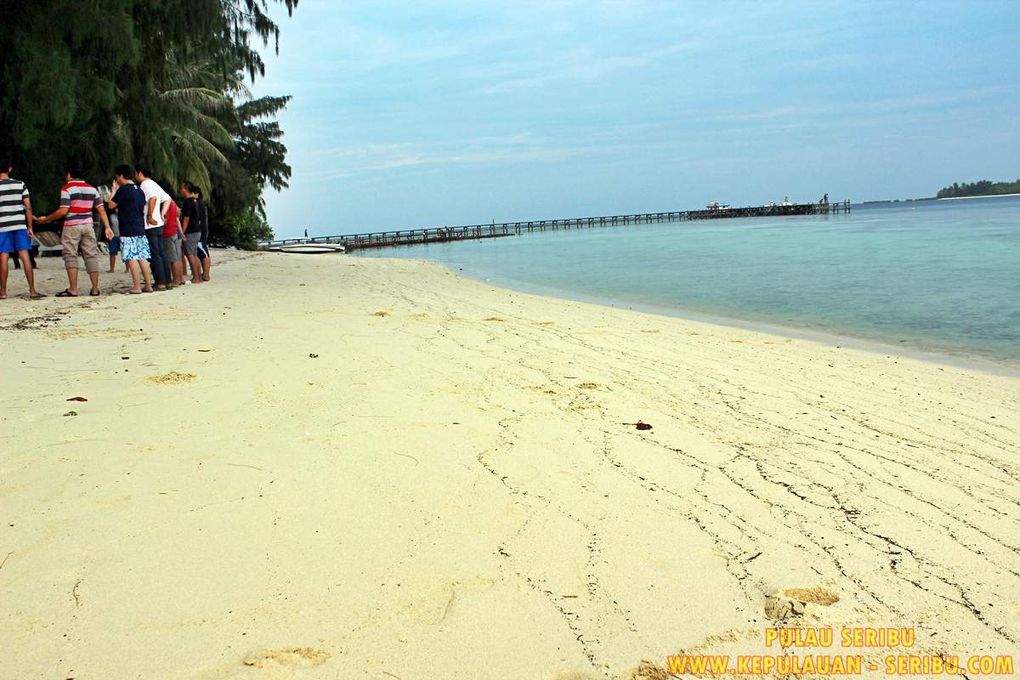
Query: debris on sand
(291, 657)
(791, 603)
(812, 595)
(173, 378)
(780, 608)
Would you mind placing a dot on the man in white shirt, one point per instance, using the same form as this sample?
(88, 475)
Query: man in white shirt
(157, 204)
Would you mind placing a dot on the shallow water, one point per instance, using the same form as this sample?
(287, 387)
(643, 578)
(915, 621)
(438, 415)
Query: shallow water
(936, 276)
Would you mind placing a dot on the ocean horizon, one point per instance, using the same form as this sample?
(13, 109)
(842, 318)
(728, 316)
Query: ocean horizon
(930, 277)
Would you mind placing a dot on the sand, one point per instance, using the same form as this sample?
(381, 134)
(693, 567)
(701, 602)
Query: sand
(332, 467)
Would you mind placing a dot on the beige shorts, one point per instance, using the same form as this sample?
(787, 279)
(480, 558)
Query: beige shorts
(80, 239)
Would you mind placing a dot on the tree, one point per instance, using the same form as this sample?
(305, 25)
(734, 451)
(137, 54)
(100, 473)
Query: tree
(193, 119)
(981, 188)
(257, 160)
(161, 82)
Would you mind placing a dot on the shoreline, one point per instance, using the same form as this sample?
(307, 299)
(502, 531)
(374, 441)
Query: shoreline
(823, 338)
(984, 364)
(377, 467)
(938, 356)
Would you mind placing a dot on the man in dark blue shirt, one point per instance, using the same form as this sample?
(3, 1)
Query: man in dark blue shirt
(191, 222)
(129, 202)
(203, 209)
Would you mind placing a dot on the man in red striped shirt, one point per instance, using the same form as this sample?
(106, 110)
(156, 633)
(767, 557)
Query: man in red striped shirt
(78, 200)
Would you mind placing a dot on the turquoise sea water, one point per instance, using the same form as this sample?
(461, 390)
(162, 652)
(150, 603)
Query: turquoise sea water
(936, 276)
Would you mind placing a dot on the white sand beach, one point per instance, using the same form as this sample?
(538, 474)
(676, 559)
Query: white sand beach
(332, 467)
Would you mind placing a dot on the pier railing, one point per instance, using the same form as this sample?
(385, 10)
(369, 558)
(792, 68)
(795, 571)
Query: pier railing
(400, 237)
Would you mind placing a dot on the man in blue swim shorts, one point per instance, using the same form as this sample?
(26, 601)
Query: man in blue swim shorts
(15, 229)
(129, 202)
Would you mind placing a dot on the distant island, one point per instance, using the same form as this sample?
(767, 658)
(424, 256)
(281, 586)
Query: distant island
(982, 188)
(897, 200)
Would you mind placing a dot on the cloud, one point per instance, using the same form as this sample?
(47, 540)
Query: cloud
(557, 95)
(365, 159)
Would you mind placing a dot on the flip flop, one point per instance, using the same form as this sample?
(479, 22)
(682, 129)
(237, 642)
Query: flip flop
(135, 292)
(37, 296)
(66, 293)
(94, 293)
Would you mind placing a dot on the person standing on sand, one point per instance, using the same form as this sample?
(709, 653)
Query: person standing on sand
(203, 209)
(115, 241)
(78, 200)
(191, 222)
(158, 203)
(113, 246)
(172, 243)
(130, 204)
(15, 229)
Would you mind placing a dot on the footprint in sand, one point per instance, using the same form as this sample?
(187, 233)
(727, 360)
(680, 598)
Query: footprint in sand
(433, 603)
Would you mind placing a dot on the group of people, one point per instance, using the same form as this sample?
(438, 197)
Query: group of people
(156, 239)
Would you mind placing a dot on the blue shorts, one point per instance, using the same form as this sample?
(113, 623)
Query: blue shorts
(114, 245)
(134, 248)
(13, 241)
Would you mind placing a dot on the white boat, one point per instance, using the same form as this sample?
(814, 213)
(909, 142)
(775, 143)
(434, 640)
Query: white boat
(310, 248)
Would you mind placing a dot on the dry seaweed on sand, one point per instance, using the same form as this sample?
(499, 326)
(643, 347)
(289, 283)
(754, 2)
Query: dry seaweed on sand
(173, 378)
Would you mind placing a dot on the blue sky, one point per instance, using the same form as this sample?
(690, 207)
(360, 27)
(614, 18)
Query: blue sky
(433, 113)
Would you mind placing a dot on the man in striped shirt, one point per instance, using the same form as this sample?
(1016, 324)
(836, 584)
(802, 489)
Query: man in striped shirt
(78, 200)
(15, 228)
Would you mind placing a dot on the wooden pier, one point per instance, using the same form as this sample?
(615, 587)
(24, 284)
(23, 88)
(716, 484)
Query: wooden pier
(403, 237)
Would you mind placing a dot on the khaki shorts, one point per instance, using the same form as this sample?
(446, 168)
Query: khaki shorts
(80, 238)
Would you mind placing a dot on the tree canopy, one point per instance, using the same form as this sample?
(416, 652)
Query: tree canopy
(159, 82)
(982, 188)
